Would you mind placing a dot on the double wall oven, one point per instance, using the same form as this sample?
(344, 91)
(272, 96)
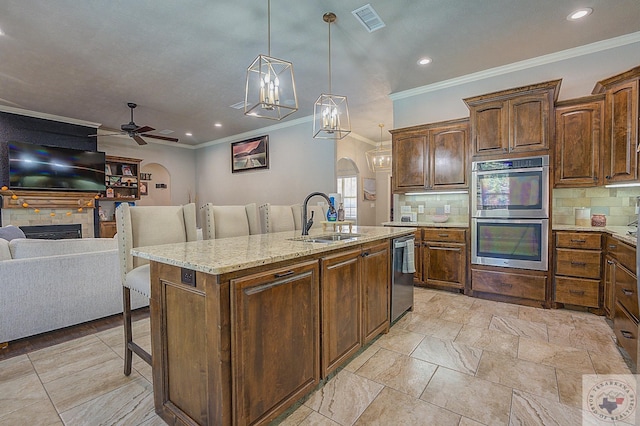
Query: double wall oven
(510, 212)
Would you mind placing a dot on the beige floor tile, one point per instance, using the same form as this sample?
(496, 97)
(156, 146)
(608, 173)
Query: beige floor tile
(445, 330)
(570, 387)
(424, 294)
(344, 397)
(475, 398)
(528, 409)
(582, 338)
(519, 374)
(488, 340)
(77, 388)
(131, 403)
(14, 368)
(547, 316)
(400, 372)
(396, 408)
(608, 364)
(297, 416)
(21, 392)
(361, 358)
(591, 322)
(449, 354)
(452, 300)
(564, 357)
(403, 320)
(518, 327)
(40, 413)
(467, 316)
(464, 421)
(428, 309)
(495, 308)
(317, 419)
(399, 340)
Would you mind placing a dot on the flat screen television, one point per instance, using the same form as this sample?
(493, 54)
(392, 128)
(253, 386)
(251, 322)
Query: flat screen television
(43, 167)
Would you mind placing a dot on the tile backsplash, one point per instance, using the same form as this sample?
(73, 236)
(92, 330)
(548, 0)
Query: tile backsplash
(617, 204)
(434, 204)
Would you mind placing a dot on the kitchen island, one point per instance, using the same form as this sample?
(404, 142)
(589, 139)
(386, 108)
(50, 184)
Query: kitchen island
(243, 327)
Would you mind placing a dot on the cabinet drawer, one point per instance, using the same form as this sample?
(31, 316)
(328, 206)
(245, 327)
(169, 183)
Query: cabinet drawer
(625, 254)
(578, 263)
(627, 290)
(577, 291)
(626, 330)
(579, 240)
(444, 235)
(509, 284)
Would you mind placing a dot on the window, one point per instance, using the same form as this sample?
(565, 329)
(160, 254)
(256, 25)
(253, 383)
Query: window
(348, 189)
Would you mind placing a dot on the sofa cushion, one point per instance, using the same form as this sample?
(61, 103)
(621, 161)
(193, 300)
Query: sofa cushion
(5, 253)
(25, 248)
(11, 232)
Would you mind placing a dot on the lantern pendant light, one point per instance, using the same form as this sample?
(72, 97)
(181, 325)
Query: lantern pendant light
(331, 112)
(379, 159)
(270, 91)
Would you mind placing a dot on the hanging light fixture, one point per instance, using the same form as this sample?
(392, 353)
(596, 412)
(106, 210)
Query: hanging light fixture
(270, 91)
(331, 112)
(379, 159)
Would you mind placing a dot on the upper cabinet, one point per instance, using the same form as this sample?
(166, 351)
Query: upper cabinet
(578, 142)
(514, 120)
(621, 126)
(430, 157)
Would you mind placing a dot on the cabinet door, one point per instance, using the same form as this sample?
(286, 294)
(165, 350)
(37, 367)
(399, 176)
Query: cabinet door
(621, 140)
(529, 122)
(274, 339)
(445, 264)
(609, 285)
(409, 156)
(448, 156)
(340, 309)
(375, 290)
(577, 146)
(490, 128)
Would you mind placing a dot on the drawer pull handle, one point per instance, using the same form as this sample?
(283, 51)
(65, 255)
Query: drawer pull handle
(610, 262)
(627, 292)
(612, 246)
(578, 292)
(505, 285)
(626, 334)
(579, 263)
(579, 241)
(443, 235)
(283, 274)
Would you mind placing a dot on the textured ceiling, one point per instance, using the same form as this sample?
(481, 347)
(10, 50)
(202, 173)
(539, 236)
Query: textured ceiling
(184, 62)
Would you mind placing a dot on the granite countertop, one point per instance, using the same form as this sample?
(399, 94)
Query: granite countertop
(234, 254)
(428, 224)
(620, 232)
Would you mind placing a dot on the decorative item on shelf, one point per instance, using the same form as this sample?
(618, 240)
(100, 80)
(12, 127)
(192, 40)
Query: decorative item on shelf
(440, 218)
(582, 216)
(598, 220)
(270, 91)
(379, 159)
(331, 112)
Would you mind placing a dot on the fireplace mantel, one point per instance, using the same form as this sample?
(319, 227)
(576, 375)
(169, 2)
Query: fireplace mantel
(48, 199)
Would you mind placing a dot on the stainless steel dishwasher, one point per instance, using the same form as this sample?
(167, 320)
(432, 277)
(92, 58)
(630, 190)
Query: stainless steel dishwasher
(402, 278)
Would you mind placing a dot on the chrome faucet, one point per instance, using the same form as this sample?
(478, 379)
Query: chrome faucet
(306, 225)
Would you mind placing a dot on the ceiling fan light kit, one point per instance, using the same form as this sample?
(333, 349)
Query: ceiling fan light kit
(270, 90)
(331, 112)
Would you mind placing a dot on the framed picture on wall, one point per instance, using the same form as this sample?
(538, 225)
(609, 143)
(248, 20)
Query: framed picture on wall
(250, 154)
(143, 188)
(369, 189)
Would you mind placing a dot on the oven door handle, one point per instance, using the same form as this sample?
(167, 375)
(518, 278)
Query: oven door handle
(502, 171)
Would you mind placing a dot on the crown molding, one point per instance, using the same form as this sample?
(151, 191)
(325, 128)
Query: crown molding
(44, 116)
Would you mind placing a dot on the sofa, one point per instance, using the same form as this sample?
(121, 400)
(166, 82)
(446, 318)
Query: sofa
(51, 284)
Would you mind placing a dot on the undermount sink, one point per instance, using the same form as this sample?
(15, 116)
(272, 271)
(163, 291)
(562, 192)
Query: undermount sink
(326, 238)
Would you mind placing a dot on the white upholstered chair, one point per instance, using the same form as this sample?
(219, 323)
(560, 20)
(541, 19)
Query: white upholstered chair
(229, 221)
(319, 214)
(276, 218)
(146, 226)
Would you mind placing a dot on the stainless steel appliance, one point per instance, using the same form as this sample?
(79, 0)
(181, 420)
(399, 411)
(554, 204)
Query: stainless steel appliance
(517, 187)
(402, 276)
(510, 213)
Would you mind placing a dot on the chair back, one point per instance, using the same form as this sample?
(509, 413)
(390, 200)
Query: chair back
(276, 218)
(319, 214)
(141, 226)
(229, 221)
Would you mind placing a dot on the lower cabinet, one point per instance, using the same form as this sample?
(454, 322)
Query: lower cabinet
(274, 339)
(376, 276)
(443, 258)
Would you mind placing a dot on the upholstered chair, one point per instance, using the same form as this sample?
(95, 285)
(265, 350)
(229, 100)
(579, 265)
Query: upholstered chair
(276, 218)
(229, 221)
(146, 226)
(319, 214)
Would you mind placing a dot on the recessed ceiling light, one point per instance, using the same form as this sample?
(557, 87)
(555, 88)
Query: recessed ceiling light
(424, 61)
(189, 134)
(1, 32)
(579, 14)
(218, 125)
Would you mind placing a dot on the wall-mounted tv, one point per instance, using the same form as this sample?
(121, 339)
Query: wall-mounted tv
(42, 167)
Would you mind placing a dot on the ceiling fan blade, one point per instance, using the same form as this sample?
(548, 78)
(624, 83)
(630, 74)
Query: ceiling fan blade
(144, 129)
(164, 138)
(139, 140)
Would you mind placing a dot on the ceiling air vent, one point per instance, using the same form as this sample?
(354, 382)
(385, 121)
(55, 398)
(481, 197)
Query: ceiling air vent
(368, 17)
(238, 105)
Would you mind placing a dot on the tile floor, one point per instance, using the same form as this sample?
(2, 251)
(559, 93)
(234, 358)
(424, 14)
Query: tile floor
(454, 360)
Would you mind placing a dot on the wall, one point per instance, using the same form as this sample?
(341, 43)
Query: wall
(298, 165)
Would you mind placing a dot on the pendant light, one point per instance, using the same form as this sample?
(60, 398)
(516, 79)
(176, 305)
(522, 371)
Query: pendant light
(379, 159)
(331, 112)
(270, 91)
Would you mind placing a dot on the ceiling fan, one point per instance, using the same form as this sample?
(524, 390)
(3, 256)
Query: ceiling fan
(136, 132)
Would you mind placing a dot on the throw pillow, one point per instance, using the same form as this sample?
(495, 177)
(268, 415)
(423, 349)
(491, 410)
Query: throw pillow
(11, 232)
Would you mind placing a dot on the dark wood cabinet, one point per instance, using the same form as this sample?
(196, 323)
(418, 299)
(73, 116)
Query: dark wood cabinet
(513, 121)
(417, 254)
(444, 258)
(275, 339)
(375, 290)
(107, 228)
(609, 285)
(430, 157)
(578, 142)
(621, 126)
(122, 179)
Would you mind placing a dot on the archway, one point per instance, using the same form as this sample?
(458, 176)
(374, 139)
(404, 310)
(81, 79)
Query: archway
(158, 185)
